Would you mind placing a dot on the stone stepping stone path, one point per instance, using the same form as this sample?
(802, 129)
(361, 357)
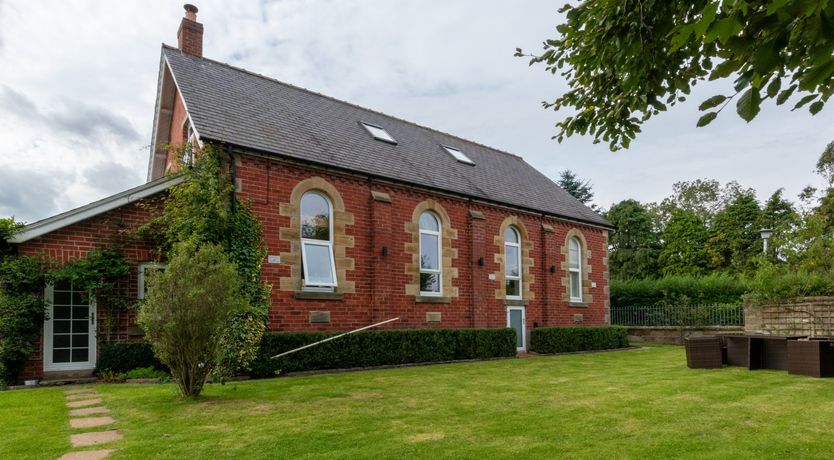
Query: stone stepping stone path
(88, 414)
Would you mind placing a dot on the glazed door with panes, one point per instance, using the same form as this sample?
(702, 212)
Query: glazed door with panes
(69, 331)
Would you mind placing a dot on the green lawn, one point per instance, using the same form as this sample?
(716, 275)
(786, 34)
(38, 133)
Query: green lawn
(637, 404)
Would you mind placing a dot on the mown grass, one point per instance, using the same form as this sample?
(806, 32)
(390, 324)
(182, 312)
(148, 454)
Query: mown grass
(33, 424)
(631, 404)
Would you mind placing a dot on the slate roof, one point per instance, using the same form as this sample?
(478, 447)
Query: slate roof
(233, 105)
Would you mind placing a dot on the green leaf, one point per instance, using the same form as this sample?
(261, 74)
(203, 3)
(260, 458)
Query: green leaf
(724, 69)
(723, 29)
(804, 101)
(706, 119)
(712, 102)
(785, 94)
(749, 104)
(774, 86)
(706, 19)
(816, 75)
(816, 107)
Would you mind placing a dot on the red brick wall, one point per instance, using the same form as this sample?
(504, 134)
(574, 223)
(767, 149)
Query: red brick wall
(77, 240)
(380, 280)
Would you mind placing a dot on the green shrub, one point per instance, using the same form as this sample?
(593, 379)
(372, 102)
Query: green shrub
(147, 373)
(22, 311)
(774, 284)
(124, 356)
(711, 289)
(186, 311)
(380, 348)
(568, 339)
(108, 376)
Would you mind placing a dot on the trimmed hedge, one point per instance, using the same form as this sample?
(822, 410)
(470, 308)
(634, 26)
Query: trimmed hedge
(567, 339)
(380, 348)
(126, 356)
(711, 289)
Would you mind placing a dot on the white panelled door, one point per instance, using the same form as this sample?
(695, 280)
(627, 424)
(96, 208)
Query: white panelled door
(69, 331)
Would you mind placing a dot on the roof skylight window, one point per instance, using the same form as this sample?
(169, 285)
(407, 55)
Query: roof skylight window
(379, 133)
(460, 156)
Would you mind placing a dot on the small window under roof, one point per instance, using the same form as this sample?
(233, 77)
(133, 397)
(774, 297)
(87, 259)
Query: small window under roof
(460, 156)
(379, 133)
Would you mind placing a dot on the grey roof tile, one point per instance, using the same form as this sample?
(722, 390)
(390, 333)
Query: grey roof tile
(242, 108)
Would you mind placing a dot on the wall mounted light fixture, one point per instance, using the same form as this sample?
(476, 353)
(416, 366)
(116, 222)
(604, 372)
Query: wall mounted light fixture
(385, 251)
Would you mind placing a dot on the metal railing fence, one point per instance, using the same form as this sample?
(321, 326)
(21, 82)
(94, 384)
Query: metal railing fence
(678, 315)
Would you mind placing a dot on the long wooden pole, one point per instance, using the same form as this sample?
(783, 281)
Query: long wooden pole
(335, 337)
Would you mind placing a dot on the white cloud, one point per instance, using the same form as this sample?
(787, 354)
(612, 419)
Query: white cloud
(90, 76)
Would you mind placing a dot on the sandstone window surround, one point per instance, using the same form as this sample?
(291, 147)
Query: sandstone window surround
(446, 234)
(576, 268)
(338, 237)
(526, 273)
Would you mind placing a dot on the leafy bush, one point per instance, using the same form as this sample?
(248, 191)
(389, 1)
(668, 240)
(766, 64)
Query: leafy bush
(568, 339)
(22, 312)
(108, 376)
(774, 284)
(186, 310)
(711, 289)
(124, 356)
(147, 373)
(380, 348)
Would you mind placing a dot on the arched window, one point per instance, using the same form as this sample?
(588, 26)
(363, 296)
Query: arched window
(512, 263)
(317, 240)
(430, 255)
(575, 269)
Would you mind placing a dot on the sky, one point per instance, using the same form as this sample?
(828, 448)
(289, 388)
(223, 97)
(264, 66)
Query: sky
(78, 84)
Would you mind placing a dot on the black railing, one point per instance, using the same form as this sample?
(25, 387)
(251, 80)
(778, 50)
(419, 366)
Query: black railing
(678, 315)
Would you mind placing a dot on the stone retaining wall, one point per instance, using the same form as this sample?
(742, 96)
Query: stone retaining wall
(673, 334)
(811, 316)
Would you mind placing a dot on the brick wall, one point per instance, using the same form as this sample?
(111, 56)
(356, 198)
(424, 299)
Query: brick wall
(375, 218)
(380, 211)
(75, 241)
(811, 316)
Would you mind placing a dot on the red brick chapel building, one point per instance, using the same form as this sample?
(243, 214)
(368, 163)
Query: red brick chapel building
(366, 217)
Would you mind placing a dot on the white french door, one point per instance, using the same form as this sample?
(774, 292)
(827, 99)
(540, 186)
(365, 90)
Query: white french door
(70, 330)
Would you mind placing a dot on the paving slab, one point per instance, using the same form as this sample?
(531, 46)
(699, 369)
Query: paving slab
(84, 403)
(87, 454)
(73, 391)
(86, 395)
(89, 422)
(95, 437)
(88, 411)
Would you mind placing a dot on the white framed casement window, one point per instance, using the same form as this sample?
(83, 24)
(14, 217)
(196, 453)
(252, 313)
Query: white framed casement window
(575, 269)
(142, 276)
(512, 263)
(431, 253)
(319, 266)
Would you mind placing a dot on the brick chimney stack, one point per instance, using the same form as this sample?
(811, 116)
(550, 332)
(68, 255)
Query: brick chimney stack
(190, 34)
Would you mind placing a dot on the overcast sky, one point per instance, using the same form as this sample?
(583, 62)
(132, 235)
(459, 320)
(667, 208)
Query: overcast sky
(78, 83)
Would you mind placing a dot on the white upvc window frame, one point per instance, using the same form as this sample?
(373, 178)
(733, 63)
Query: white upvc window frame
(507, 276)
(439, 270)
(325, 287)
(140, 276)
(575, 297)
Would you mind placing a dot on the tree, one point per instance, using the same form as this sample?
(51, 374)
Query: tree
(635, 245)
(704, 197)
(203, 210)
(683, 245)
(571, 183)
(735, 238)
(626, 61)
(8, 228)
(186, 309)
